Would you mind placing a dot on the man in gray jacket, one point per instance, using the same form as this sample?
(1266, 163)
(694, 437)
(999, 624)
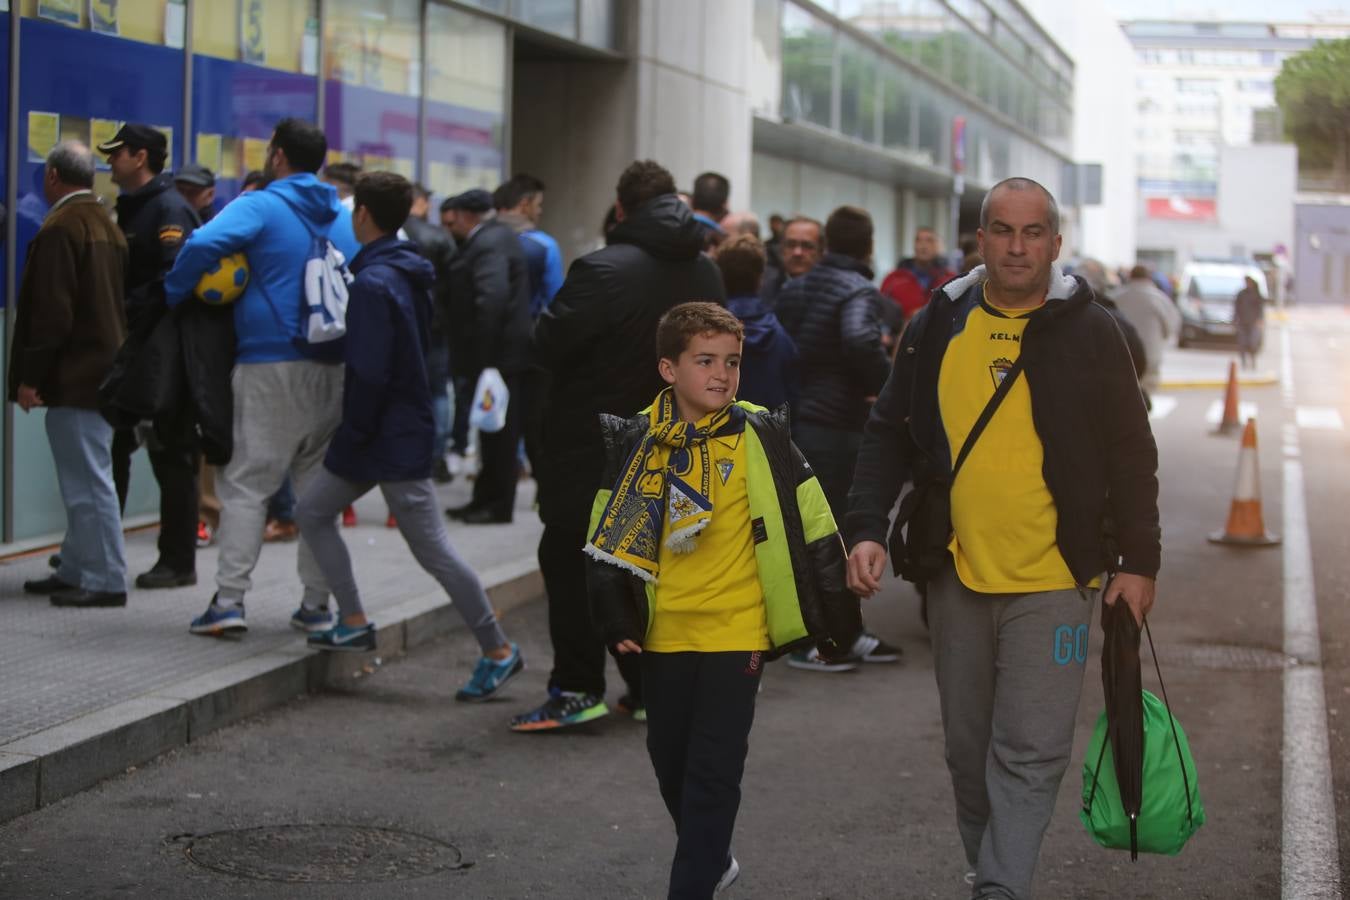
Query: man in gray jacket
(1155, 317)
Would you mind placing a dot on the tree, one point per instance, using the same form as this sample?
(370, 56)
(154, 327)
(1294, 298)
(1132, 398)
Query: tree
(1313, 92)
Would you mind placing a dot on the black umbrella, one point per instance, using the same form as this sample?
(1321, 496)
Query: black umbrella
(1123, 688)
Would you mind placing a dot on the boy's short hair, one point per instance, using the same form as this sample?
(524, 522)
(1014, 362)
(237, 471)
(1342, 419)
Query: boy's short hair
(387, 195)
(848, 231)
(682, 323)
(741, 259)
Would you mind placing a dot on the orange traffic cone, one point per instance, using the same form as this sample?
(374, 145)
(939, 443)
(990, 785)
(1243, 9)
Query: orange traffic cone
(1230, 422)
(1245, 526)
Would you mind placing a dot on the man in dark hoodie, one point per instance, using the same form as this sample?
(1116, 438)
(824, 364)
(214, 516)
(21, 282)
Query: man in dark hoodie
(489, 328)
(1015, 545)
(156, 220)
(597, 341)
(387, 435)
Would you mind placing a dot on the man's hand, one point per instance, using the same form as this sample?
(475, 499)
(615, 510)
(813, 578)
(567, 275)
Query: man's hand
(626, 647)
(29, 398)
(866, 564)
(1137, 591)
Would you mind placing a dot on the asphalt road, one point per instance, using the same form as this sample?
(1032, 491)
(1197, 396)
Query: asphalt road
(846, 794)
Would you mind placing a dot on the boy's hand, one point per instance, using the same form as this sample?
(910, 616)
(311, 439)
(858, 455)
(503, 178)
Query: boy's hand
(866, 564)
(626, 647)
(1137, 591)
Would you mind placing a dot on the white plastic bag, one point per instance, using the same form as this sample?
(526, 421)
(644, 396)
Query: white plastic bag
(489, 402)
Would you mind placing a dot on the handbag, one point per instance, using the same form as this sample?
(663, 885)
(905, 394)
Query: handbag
(490, 399)
(923, 523)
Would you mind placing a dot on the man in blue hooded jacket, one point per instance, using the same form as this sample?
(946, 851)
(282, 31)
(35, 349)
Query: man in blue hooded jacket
(286, 406)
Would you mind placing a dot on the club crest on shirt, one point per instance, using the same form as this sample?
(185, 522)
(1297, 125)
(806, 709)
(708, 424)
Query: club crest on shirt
(999, 370)
(724, 467)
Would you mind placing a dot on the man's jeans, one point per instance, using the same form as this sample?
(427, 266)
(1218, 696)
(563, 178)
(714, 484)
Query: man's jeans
(438, 377)
(92, 555)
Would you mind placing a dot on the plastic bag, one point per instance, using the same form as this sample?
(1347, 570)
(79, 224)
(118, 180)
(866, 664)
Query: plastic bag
(489, 402)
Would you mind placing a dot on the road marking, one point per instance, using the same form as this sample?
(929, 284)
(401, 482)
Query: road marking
(1324, 418)
(1214, 415)
(1310, 863)
(1162, 407)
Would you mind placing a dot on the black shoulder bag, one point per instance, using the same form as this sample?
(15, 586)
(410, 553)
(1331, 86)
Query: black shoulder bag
(923, 524)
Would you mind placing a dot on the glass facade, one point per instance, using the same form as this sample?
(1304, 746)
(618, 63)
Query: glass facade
(897, 74)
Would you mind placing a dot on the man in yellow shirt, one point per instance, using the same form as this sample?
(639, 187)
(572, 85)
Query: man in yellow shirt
(1060, 487)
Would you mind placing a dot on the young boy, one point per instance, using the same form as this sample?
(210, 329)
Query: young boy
(386, 438)
(716, 518)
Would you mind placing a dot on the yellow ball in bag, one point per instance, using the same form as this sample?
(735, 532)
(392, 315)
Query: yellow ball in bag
(224, 283)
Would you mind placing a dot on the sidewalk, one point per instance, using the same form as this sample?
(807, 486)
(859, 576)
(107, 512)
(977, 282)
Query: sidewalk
(85, 694)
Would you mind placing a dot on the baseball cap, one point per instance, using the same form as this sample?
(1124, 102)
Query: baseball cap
(197, 175)
(136, 137)
(476, 200)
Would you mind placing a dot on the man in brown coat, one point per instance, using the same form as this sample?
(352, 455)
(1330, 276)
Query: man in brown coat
(69, 324)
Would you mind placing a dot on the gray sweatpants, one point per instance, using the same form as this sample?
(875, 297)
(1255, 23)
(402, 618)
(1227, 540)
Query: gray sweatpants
(1009, 673)
(285, 413)
(413, 505)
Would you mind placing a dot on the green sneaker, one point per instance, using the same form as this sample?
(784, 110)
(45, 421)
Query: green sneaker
(561, 710)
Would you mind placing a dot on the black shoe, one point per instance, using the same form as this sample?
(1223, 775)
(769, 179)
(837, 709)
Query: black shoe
(441, 473)
(54, 561)
(459, 512)
(163, 577)
(49, 585)
(81, 597)
(485, 517)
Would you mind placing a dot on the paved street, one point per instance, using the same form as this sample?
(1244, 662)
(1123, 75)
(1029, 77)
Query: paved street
(846, 794)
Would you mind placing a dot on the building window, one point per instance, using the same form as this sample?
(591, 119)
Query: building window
(466, 101)
(808, 67)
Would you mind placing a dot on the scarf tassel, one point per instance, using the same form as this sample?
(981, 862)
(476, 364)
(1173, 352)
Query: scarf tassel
(596, 553)
(682, 540)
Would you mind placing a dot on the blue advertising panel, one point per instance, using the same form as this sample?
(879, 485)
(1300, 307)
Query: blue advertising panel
(235, 106)
(376, 129)
(77, 84)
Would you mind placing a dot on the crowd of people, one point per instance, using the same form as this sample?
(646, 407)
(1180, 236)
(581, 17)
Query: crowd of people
(719, 428)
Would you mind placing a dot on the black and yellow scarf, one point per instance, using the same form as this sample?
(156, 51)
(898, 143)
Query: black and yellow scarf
(669, 474)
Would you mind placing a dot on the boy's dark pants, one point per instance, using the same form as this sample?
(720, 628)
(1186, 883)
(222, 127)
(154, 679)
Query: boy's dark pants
(700, 707)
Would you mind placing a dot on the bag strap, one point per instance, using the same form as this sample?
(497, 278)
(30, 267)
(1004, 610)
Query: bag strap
(987, 413)
(1181, 757)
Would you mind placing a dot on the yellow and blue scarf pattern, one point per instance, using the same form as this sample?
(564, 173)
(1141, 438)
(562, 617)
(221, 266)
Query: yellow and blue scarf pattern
(669, 475)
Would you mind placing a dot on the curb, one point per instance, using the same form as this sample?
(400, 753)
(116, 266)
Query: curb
(1218, 383)
(57, 762)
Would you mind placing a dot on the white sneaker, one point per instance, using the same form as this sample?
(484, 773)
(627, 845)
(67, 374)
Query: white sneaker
(731, 874)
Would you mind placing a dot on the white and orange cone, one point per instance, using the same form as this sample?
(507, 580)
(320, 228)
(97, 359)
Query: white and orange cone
(1245, 525)
(1230, 421)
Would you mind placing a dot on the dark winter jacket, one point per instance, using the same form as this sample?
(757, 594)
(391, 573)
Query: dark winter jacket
(490, 303)
(438, 248)
(156, 220)
(387, 428)
(597, 342)
(800, 557)
(831, 313)
(1100, 458)
(769, 375)
(70, 317)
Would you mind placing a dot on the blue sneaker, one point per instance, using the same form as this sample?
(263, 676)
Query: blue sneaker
(489, 675)
(219, 621)
(360, 639)
(312, 620)
(561, 710)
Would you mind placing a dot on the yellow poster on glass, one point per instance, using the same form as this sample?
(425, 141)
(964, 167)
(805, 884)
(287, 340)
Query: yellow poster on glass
(209, 151)
(67, 12)
(255, 154)
(103, 16)
(252, 34)
(44, 130)
(100, 132)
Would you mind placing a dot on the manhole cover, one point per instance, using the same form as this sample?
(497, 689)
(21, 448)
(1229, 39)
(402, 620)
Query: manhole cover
(1224, 656)
(319, 854)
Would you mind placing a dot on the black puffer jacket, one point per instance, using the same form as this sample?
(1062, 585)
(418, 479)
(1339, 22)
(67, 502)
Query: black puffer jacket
(438, 248)
(597, 342)
(831, 314)
(489, 322)
(156, 220)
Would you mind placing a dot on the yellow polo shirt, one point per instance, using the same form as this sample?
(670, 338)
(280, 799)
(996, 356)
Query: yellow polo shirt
(1003, 517)
(710, 600)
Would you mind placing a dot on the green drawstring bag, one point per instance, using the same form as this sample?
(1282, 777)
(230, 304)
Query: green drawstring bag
(1170, 812)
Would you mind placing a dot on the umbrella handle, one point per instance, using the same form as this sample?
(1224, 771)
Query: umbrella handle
(1181, 757)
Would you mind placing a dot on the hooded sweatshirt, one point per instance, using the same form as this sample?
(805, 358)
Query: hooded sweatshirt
(274, 227)
(387, 427)
(768, 355)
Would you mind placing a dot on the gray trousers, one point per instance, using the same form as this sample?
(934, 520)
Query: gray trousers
(1009, 672)
(414, 506)
(92, 555)
(285, 413)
